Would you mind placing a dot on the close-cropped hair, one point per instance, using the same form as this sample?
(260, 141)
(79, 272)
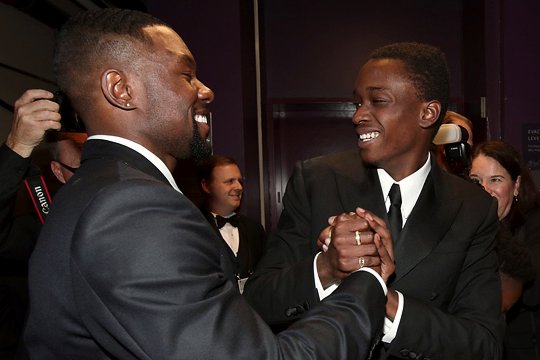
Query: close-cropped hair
(510, 159)
(87, 38)
(205, 168)
(427, 69)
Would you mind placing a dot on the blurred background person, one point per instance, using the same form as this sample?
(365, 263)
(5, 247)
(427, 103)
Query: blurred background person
(501, 171)
(33, 115)
(515, 268)
(220, 180)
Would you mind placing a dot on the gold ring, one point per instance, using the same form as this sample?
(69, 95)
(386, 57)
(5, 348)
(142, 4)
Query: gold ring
(361, 261)
(357, 238)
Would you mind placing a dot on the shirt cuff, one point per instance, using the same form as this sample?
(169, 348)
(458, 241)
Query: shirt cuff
(391, 327)
(333, 285)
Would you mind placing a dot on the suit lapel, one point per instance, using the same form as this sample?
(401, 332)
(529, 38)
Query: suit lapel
(361, 188)
(429, 221)
(244, 251)
(103, 149)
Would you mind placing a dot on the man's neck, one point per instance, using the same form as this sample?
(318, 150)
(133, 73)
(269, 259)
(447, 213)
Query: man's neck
(402, 171)
(220, 211)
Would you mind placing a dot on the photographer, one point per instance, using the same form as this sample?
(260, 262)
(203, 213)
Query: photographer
(33, 116)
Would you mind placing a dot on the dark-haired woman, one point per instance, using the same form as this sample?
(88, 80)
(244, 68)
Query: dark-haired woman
(501, 171)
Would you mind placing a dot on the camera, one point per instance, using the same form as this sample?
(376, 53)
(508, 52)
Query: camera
(458, 152)
(70, 121)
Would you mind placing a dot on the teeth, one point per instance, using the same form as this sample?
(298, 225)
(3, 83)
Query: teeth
(201, 119)
(369, 136)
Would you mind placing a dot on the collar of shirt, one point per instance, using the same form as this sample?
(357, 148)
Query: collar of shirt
(150, 156)
(228, 216)
(410, 187)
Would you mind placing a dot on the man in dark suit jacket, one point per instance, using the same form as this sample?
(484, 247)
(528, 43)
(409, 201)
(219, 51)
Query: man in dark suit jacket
(444, 301)
(126, 267)
(220, 180)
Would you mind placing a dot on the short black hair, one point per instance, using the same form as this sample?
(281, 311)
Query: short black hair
(427, 68)
(205, 168)
(87, 38)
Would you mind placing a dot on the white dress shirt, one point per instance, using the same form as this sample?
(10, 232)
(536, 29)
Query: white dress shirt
(230, 234)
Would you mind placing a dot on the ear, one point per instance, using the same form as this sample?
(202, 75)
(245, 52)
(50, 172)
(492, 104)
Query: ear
(430, 114)
(117, 89)
(205, 186)
(516, 185)
(57, 171)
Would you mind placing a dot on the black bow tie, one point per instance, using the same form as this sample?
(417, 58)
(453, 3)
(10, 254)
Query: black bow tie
(221, 221)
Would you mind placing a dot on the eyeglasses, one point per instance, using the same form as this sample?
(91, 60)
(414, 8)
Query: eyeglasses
(68, 167)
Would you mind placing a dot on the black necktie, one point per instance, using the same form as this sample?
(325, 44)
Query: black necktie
(221, 221)
(394, 213)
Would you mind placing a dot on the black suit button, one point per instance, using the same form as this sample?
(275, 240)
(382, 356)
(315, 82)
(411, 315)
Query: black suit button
(306, 305)
(412, 355)
(404, 352)
(433, 296)
(291, 312)
(300, 309)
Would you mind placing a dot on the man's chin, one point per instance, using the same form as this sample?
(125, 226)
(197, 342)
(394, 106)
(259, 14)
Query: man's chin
(201, 153)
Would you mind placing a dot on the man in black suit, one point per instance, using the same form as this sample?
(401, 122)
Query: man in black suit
(220, 180)
(126, 267)
(444, 300)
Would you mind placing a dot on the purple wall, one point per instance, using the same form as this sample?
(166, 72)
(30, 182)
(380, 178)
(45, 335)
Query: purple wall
(314, 49)
(521, 61)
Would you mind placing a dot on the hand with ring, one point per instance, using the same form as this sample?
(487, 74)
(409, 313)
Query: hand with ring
(348, 237)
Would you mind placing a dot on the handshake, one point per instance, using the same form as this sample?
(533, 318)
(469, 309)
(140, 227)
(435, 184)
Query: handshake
(353, 241)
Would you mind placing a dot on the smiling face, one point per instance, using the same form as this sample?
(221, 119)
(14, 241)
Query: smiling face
(390, 119)
(496, 181)
(224, 190)
(176, 111)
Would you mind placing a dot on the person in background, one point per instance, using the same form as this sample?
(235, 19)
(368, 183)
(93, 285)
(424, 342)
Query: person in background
(501, 171)
(220, 180)
(515, 268)
(33, 115)
(65, 149)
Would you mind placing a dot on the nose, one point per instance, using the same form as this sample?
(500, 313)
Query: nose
(205, 93)
(360, 115)
(486, 187)
(239, 185)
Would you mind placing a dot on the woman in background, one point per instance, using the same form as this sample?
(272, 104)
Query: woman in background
(501, 171)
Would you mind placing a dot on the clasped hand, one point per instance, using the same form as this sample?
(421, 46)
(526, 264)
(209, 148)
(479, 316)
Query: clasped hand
(352, 241)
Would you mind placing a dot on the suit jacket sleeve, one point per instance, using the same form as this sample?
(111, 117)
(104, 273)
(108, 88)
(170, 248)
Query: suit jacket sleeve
(147, 282)
(283, 285)
(17, 234)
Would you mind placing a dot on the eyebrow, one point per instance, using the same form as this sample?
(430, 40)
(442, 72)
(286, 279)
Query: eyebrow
(376, 88)
(371, 89)
(187, 59)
